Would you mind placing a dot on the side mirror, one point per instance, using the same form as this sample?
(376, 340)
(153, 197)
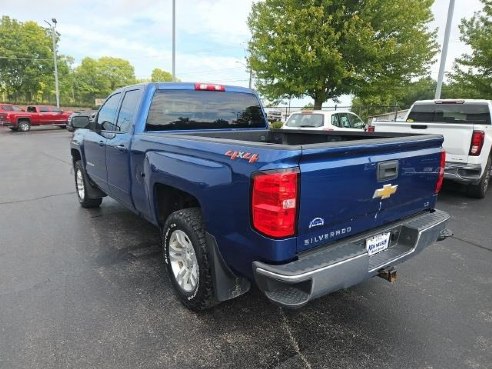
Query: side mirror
(80, 121)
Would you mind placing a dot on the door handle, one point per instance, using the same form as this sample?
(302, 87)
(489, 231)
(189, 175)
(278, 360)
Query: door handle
(101, 143)
(414, 126)
(121, 147)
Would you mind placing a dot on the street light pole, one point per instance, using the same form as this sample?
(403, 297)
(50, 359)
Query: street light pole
(53, 37)
(174, 41)
(444, 52)
(248, 69)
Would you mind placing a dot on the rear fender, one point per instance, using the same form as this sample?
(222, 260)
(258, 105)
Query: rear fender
(192, 175)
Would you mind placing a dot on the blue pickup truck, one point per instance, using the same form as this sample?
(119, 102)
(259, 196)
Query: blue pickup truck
(299, 213)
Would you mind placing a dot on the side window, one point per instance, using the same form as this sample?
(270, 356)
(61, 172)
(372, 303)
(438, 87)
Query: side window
(107, 115)
(31, 109)
(128, 110)
(344, 121)
(44, 109)
(335, 120)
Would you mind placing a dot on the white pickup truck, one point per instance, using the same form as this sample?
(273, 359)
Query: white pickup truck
(466, 127)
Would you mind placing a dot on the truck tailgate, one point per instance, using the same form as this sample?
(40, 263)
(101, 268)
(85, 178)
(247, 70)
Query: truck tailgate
(457, 137)
(347, 189)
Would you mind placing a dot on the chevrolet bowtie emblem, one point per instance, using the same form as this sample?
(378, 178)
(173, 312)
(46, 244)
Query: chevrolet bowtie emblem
(385, 192)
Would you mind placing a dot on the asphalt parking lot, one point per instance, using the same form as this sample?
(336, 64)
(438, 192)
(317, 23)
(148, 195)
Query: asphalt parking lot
(87, 289)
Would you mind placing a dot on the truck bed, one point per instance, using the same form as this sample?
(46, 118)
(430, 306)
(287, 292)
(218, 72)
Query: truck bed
(295, 138)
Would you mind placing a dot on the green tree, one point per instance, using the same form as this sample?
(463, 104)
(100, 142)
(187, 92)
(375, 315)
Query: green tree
(473, 72)
(379, 101)
(159, 75)
(98, 78)
(327, 48)
(26, 59)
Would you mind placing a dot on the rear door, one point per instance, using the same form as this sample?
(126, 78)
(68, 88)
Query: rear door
(58, 116)
(45, 115)
(347, 188)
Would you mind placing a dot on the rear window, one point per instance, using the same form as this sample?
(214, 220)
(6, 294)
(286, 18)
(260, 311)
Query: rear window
(450, 113)
(190, 109)
(305, 120)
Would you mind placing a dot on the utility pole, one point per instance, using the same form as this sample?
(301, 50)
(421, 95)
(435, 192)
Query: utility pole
(53, 37)
(174, 41)
(444, 52)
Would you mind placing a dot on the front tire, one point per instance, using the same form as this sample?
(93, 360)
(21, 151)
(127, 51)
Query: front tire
(187, 262)
(81, 184)
(480, 189)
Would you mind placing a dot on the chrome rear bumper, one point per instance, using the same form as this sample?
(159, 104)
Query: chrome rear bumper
(346, 263)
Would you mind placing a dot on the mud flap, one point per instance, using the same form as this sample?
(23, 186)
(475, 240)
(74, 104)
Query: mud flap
(227, 284)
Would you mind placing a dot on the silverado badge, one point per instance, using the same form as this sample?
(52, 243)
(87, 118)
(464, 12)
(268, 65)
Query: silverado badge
(385, 192)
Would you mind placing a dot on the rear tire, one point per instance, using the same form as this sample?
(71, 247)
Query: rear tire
(480, 189)
(81, 184)
(23, 125)
(187, 260)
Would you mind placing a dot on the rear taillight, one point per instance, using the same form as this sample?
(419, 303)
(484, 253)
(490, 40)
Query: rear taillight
(440, 178)
(370, 129)
(274, 202)
(477, 143)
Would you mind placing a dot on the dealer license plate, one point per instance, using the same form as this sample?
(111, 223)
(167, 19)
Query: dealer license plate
(377, 243)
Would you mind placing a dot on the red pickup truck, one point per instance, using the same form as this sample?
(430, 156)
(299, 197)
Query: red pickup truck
(35, 115)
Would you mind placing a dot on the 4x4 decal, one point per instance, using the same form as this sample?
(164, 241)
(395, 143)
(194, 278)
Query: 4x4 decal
(250, 157)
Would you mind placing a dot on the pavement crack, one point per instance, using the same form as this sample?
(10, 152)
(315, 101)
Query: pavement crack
(472, 243)
(36, 198)
(295, 345)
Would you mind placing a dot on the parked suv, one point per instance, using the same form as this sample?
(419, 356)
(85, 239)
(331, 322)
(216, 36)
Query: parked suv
(325, 121)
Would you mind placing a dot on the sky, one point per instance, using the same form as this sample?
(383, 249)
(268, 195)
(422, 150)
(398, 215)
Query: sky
(211, 35)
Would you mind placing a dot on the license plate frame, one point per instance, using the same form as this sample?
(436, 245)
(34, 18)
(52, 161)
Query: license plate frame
(377, 243)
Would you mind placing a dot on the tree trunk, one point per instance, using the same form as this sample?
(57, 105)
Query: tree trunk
(318, 102)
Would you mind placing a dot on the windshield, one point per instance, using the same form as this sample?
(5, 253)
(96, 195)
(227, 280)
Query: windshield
(305, 120)
(450, 113)
(190, 109)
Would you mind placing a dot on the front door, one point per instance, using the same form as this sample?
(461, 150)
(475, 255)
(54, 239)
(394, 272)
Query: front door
(95, 158)
(95, 142)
